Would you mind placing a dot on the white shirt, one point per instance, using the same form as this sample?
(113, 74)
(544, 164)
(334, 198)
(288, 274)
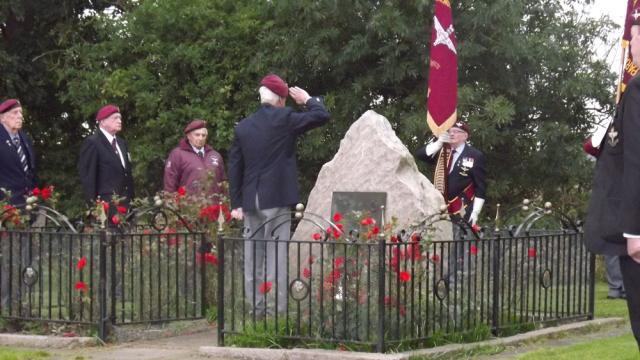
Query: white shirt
(110, 139)
(197, 151)
(456, 155)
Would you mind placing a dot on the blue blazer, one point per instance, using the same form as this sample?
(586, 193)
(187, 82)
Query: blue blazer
(262, 159)
(12, 177)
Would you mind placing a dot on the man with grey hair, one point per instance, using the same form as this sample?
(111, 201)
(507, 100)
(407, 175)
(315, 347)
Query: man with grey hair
(264, 185)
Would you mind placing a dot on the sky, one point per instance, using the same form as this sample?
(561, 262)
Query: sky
(615, 9)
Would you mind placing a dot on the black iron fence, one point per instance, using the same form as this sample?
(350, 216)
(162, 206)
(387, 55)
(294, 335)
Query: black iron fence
(382, 293)
(104, 278)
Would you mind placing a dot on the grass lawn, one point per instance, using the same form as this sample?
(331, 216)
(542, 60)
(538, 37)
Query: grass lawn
(7, 353)
(624, 347)
(609, 308)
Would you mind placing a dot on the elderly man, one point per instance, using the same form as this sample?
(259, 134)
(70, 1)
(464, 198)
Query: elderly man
(263, 182)
(194, 165)
(105, 164)
(17, 160)
(612, 226)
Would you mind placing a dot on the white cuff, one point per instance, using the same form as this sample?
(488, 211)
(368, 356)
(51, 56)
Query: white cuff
(477, 205)
(433, 148)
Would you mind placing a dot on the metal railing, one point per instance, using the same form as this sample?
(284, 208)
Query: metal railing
(382, 293)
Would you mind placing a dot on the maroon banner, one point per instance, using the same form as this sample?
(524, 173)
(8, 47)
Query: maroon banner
(442, 90)
(630, 69)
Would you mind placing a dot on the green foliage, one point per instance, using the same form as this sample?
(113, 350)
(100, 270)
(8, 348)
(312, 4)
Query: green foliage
(529, 85)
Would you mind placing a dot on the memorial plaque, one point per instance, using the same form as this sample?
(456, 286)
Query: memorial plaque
(362, 203)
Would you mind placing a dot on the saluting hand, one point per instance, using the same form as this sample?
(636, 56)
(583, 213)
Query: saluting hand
(299, 95)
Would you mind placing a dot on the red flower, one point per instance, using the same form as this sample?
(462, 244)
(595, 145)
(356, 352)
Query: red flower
(339, 261)
(532, 252)
(115, 219)
(316, 236)
(475, 228)
(146, 231)
(394, 238)
(310, 260)
(435, 258)
(121, 209)
(105, 206)
(337, 217)
(367, 221)
(81, 263)
(402, 309)
(415, 237)
(341, 227)
(306, 273)
(46, 192)
(375, 230)
(35, 192)
(394, 263)
(211, 258)
(473, 250)
(212, 212)
(182, 191)
(404, 276)
(265, 287)
(81, 286)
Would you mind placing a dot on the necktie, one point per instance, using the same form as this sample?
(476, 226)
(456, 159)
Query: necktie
(21, 155)
(115, 148)
(450, 165)
(201, 154)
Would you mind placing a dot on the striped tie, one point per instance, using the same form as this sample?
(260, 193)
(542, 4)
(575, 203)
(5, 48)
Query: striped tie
(21, 155)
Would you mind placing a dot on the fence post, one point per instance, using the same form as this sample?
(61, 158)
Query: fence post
(219, 289)
(592, 284)
(204, 304)
(381, 278)
(104, 321)
(495, 277)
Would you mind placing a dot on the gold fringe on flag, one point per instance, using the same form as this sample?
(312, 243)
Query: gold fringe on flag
(441, 173)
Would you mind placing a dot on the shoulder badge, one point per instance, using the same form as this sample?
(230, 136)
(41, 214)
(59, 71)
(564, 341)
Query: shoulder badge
(612, 137)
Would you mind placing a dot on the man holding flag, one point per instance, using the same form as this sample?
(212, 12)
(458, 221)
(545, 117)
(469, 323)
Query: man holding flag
(612, 226)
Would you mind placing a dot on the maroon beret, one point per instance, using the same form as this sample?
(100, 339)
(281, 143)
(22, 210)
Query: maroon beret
(106, 111)
(8, 105)
(274, 83)
(462, 126)
(195, 125)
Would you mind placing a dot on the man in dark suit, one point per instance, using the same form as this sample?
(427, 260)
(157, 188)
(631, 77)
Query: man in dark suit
(17, 159)
(105, 164)
(612, 226)
(264, 185)
(466, 189)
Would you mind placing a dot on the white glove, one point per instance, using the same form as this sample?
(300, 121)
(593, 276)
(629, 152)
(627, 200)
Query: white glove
(435, 146)
(237, 214)
(475, 212)
(598, 135)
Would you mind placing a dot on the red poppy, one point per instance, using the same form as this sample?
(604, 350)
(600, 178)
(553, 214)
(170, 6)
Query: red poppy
(115, 219)
(306, 273)
(394, 238)
(265, 287)
(35, 192)
(310, 259)
(212, 212)
(316, 236)
(473, 250)
(46, 192)
(211, 258)
(339, 261)
(415, 237)
(81, 286)
(435, 258)
(121, 209)
(81, 263)
(532, 252)
(375, 230)
(105, 206)
(182, 191)
(340, 226)
(475, 228)
(404, 276)
(367, 221)
(146, 231)
(337, 217)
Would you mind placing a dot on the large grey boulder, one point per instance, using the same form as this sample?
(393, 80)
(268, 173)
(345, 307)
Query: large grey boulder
(372, 158)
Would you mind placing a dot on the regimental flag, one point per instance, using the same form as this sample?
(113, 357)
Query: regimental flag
(442, 90)
(630, 69)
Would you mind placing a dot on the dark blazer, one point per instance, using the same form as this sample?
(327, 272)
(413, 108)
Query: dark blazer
(614, 207)
(262, 159)
(469, 168)
(101, 171)
(12, 176)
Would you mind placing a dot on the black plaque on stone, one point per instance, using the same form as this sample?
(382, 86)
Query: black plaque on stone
(363, 203)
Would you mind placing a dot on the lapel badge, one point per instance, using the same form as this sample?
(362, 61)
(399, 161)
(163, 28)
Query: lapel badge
(612, 137)
(214, 161)
(467, 162)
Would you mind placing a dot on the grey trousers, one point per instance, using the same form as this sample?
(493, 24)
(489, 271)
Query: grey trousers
(265, 260)
(614, 275)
